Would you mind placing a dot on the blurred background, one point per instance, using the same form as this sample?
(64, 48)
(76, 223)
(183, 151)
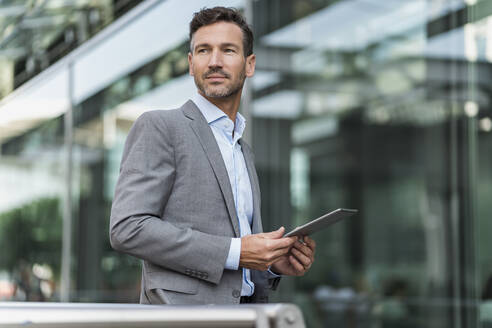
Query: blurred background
(384, 106)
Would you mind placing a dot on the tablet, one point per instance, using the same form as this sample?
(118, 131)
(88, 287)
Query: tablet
(321, 222)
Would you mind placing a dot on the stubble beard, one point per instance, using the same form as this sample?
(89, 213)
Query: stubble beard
(224, 91)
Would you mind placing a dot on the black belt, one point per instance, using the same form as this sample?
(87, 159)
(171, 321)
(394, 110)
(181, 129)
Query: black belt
(246, 299)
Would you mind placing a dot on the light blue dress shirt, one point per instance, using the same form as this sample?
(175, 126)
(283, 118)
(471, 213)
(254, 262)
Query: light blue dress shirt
(223, 128)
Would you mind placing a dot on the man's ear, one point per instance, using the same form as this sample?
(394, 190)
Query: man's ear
(190, 63)
(250, 65)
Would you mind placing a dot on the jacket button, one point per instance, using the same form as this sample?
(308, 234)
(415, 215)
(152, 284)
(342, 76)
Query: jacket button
(236, 293)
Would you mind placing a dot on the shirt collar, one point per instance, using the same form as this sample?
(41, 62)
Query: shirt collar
(213, 113)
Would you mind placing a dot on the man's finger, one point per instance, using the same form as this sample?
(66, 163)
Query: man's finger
(296, 264)
(282, 243)
(275, 234)
(304, 249)
(310, 242)
(277, 254)
(305, 260)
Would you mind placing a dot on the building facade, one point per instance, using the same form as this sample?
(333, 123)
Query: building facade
(383, 106)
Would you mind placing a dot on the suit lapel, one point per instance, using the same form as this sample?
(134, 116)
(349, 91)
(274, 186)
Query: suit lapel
(248, 158)
(207, 139)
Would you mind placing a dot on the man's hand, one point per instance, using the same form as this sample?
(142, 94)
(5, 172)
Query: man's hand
(299, 259)
(260, 251)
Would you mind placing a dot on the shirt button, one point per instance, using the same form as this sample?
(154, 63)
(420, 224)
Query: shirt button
(236, 293)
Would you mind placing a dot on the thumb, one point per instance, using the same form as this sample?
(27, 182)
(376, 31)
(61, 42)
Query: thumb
(275, 234)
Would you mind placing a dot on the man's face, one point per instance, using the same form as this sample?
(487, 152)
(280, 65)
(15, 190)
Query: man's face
(217, 60)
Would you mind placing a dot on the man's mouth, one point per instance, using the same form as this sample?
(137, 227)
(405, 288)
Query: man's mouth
(216, 77)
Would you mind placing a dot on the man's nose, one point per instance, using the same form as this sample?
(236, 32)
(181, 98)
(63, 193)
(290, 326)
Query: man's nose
(215, 59)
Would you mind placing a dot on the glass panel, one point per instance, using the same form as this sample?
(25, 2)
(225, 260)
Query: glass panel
(374, 105)
(479, 46)
(138, 67)
(32, 185)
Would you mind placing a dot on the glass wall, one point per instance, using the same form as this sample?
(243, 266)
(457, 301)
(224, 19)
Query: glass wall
(383, 106)
(61, 140)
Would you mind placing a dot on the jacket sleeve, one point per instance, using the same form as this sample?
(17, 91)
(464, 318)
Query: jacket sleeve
(137, 225)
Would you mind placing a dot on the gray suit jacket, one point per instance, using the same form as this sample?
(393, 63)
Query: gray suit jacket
(174, 208)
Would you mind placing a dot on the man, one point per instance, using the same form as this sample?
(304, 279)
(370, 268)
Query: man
(187, 201)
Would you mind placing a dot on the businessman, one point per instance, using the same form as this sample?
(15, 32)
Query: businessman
(187, 201)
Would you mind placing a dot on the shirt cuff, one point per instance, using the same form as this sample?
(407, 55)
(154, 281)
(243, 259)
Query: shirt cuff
(272, 274)
(232, 261)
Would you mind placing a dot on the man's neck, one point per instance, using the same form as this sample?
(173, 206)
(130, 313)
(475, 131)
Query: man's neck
(228, 105)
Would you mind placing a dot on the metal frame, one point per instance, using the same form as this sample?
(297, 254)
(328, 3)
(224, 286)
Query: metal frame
(135, 315)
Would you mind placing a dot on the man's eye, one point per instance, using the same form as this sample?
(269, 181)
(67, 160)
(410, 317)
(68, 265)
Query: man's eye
(201, 51)
(229, 50)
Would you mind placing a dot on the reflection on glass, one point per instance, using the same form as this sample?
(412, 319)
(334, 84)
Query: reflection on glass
(32, 184)
(376, 106)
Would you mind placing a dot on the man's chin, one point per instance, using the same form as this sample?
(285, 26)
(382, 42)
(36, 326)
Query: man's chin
(217, 93)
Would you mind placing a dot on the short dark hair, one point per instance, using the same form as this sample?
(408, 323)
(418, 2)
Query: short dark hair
(208, 16)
